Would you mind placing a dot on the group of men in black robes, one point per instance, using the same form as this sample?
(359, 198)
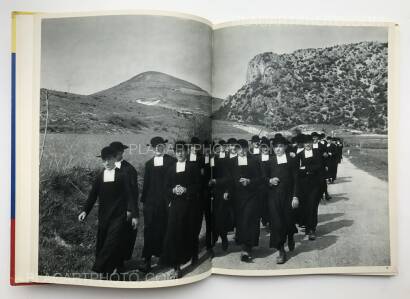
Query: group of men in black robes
(233, 185)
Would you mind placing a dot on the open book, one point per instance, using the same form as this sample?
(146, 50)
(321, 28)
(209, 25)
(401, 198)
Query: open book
(153, 149)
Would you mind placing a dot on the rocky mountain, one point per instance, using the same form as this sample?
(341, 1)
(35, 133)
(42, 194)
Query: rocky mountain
(342, 85)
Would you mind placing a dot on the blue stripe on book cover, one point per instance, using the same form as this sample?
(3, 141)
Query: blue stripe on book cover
(13, 135)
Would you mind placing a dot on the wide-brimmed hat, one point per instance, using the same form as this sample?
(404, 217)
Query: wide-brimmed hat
(180, 144)
(307, 139)
(157, 140)
(107, 152)
(242, 143)
(279, 140)
(232, 141)
(265, 141)
(118, 146)
(255, 138)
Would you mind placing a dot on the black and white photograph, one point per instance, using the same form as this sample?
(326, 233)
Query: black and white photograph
(307, 105)
(122, 100)
(171, 148)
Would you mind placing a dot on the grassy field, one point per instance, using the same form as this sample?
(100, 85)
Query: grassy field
(67, 168)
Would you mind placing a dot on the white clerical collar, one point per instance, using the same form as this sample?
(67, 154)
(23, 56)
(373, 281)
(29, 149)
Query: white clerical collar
(308, 153)
(299, 149)
(315, 145)
(282, 159)
(222, 155)
(212, 162)
(158, 160)
(118, 164)
(192, 157)
(181, 166)
(242, 160)
(206, 159)
(109, 175)
(328, 145)
(232, 155)
(265, 157)
(256, 151)
(322, 141)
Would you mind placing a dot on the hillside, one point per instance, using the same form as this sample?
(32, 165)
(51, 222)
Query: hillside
(343, 85)
(159, 89)
(149, 101)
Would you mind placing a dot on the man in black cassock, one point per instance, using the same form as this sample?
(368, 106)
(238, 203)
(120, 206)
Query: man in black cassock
(155, 201)
(112, 189)
(182, 183)
(255, 145)
(221, 193)
(246, 180)
(131, 175)
(332, 160)
(310, 178)
(265, 159)
(321, 148)
(195, 156)
(281, 177)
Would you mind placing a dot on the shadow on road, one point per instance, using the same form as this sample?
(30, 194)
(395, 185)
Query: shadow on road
(332, 226)
(343, 179)
(304, 245)
(337, 197)
(329, 216)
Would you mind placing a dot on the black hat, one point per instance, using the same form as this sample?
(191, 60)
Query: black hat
(255, 138)
(232, 141)
(222, 142)
(280, 140)
(242, 143)
(322, 135)
(157, 140)
(207, 143)
(314, 134)
(107, 152)
(278, 135)
(264, 141)
(298, 138)
(118, 146)
(329, 138)
(180, 145)
(195, 140)
(307, 139)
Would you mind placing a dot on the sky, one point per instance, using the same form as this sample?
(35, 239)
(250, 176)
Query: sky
(85, 55)
(234, 47)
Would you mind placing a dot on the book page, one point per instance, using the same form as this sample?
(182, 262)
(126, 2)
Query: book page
(307, 112)
(115, 93)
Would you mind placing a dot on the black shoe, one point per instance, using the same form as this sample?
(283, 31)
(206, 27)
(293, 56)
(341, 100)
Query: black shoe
(312, 236)
(146, 267)
(281, 258)
(245, 257)
(328, 197)
(291, 243)
(194, 260)
(225, 244)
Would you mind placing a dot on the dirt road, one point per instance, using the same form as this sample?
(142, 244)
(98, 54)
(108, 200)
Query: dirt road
(353, 229)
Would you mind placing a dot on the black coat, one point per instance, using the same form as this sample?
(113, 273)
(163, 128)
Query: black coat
(130, 234)
(114, 200)
(247, 200)
(222, 209)
(178, 240)
(310, 187)
(155, 206)
(281, 214)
